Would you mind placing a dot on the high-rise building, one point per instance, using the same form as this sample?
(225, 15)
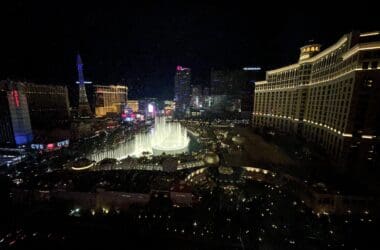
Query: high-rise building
(110, 99)
(330, 98)
(220, 83)
(148, 107)
(15, 126)
(47, 103)
(234, 83)
(206, 91)
(196, 90)
(134, 105)
(33, 112)
(84, 109)
(182, 90)
(196, 96)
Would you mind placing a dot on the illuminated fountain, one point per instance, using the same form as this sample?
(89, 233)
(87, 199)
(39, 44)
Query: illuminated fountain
(168, 138)
(141, 143)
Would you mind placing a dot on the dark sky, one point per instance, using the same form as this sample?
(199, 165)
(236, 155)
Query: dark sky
(144, 41)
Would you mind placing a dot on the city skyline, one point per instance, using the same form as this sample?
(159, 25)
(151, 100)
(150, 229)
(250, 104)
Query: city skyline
(184, 125)
(143, 43)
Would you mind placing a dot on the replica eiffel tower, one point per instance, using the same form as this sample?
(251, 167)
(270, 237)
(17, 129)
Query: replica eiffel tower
(83, 106)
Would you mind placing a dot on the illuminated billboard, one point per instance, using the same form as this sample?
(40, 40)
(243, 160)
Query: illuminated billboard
(150, 108)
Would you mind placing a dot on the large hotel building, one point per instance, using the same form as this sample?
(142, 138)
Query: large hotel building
(330, 97)
(182, 89)
(110, 100)
(29, 112)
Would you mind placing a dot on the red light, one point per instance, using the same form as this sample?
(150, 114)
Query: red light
(124, 115)
(16, 98)
(50, 146)
(179, 68)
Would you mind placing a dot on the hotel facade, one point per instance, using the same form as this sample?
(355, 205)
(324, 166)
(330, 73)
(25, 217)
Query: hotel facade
(31, 112)
(329, 97)
(110, 99)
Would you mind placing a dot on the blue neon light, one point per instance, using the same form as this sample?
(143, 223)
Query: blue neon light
(23, 139)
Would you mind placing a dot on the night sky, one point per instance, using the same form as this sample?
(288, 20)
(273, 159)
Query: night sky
(143, 42)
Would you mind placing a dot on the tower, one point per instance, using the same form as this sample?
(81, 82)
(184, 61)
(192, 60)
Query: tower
(83, 106)
(182, 88)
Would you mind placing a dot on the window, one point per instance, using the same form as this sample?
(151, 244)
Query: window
(374, 65)
(365, 65)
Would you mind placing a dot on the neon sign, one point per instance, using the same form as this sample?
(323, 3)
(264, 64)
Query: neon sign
(16, 98)
(37, 146)
(252, 68)
(180, 68)
(150, 108)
